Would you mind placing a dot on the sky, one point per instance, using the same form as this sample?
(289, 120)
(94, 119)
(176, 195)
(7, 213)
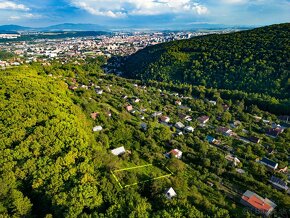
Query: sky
(144, 13)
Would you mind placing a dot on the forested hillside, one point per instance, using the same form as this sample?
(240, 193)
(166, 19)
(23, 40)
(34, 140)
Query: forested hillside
(60, 123)
(254, 61)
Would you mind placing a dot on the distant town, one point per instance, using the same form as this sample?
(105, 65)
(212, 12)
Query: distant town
(64, 49)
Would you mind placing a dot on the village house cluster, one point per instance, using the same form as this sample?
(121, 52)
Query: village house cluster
(182, 122)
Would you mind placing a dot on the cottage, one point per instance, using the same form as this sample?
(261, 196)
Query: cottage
(185, 117)
(99, 91)
(94, 115)
(257, 203)
(170, 193)
(137, 100)
(97, 128)
(179, 125)
(84, 87)
(72, 88)
(269, 163)
(157, 114)
(278, 183)
(225, 131)
(212, 102)
(124, 96)
(178, 103)
(164, 119)
(275, 131)
(143, 126)
(233, 159)
(254, 139)
(118, 151)
(225, 107)
(188, 129)
(203, 119)
(210, 139)
(240, 171)
(129, 108)
(175, 153)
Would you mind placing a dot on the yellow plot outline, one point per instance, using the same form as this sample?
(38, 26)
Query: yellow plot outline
(144, 181)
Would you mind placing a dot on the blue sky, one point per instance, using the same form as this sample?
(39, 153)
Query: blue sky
(144, 13)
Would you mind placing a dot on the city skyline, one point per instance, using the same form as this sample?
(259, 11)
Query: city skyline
(140, 13)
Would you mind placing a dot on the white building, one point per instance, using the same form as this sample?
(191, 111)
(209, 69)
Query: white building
(97, 128)
(170, 193)
(118, 151)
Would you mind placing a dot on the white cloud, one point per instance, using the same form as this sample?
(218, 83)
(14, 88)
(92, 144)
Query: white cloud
(24, 16)
(12, 6)
(123, 8)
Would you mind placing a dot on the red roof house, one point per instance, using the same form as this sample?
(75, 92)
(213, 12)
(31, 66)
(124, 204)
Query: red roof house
(257, 203)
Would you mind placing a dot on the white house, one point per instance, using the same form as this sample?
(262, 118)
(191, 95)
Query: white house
(179, 125)
(188, 129)
(170, 193)
(118, 151)
(97, 128)
(99, 91)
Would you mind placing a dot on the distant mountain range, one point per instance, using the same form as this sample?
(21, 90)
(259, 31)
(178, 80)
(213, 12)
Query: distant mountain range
(96, 27)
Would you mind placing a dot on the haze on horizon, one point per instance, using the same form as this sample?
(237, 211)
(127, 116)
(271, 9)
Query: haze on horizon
(144, 13)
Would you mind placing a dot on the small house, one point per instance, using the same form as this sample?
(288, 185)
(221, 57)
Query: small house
(203, 119)
(72, 88)
(269, 163)
(129, 108)
(233, 159)
(179, 125)
(188, 129)
(240, 171)
(254, 139)
(170, 193)
(118, 151)
(175, 153)
(94, 115)
(164, 119)
(257, 203)
(278, 183)
(99, 91)
(143, 126)
(210, 139)
(185, 117)
(225, 107)
(274, 132)
(178, 103)
(157, 114)
(212, 102)
(225, 131)
(97, 128)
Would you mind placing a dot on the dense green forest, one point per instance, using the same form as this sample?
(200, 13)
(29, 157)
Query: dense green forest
(54, 165)
(254, 61)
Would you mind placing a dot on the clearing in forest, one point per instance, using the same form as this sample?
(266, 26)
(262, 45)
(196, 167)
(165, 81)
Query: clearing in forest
(132, 176)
